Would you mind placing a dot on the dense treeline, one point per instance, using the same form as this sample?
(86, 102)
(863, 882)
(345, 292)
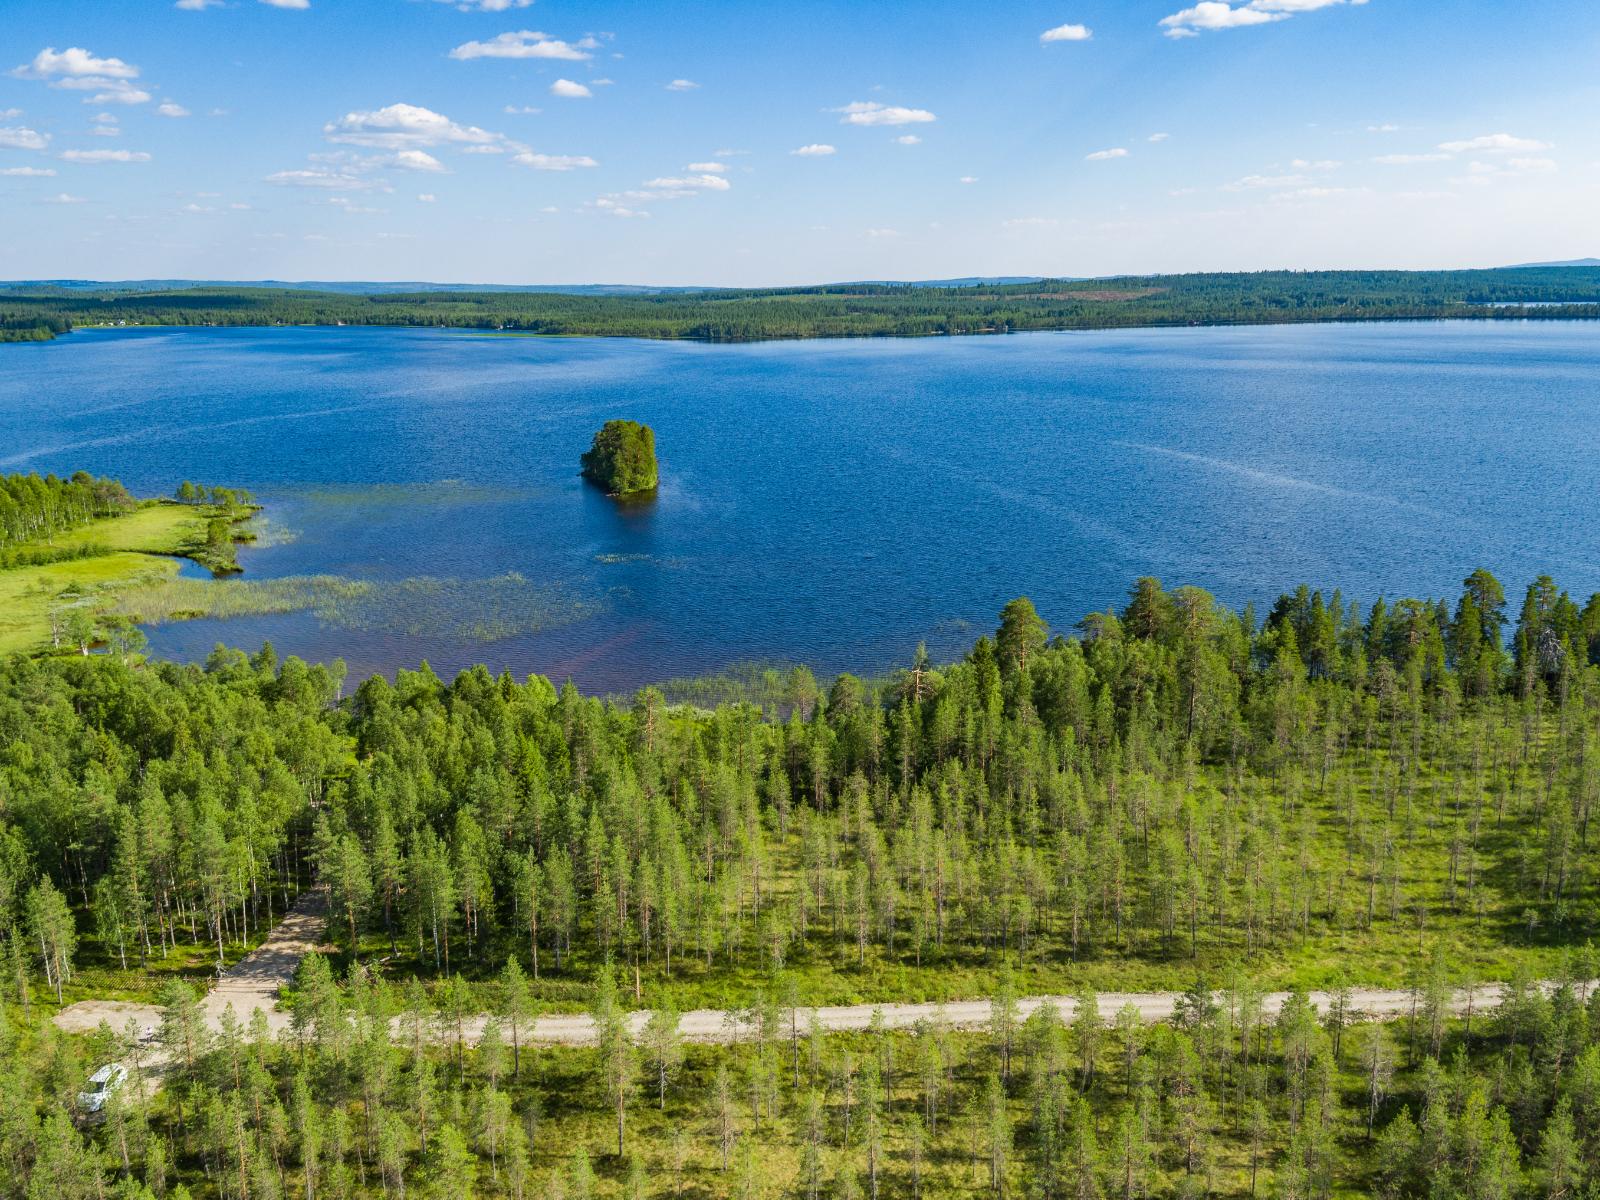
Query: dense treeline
(858, 310)
(32, 327)
(1180, 786)
(34, 508)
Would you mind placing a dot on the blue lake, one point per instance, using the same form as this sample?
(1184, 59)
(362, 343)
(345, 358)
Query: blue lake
(831, 502)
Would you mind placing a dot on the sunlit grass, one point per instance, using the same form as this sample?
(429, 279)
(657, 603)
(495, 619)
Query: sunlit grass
(141, 551)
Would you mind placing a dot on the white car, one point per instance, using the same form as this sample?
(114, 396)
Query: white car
(101, 1084)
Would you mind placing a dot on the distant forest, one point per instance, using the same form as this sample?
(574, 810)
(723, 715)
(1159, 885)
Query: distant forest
(38, 312)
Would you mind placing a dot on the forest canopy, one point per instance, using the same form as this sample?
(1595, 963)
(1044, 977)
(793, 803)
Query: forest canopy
(31, 312)
(1176, 795)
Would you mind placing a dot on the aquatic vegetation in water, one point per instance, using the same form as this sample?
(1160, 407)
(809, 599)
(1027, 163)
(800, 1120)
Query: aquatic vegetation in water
(671, 562)
(444, 492)
(482, 610)
(262, 533)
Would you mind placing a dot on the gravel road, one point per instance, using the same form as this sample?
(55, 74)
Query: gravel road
(254, 982)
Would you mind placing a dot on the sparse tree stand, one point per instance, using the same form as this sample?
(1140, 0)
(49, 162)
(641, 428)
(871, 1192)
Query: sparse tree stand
(622, 459)
(618, 1060)
(50, 921)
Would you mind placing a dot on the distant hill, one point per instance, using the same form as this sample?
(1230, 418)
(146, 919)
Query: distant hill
(344, 288)
(1571, 262)
(361, 288)
(964, 281)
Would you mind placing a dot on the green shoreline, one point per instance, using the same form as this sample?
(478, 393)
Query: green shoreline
(39, 313)
(123, 553)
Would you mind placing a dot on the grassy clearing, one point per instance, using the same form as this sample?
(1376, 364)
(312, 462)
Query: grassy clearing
(144, 546)
(150, 529)
(28, 595)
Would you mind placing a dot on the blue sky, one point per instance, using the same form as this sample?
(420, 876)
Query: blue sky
(767, 143)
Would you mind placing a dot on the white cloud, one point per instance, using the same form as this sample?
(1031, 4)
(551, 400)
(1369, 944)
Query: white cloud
(881, 233)
(870, 112)
(198, 208)
(488, 5)
(682, 85)
(1267, 181)
(333, 181)
(106, 129)
(10, 114)
(168, 109)
(1066, 33)
(65, 198)
(79, 70)
(1298, 6)
(1482, 173)
(569, 89)
(197, 5)
(29, 172)
(1314, 193)
(1030, 223)
(615, 208)
(814, 150)
(399, 126)
(426, 197)
(1494, 143)
(708, 168)
(710, 183)
(287, 3)
(1103, 155)
(346, 205)
(22, 138)
(74, 63)
(1214, 14)
(1384, 128)
(1158, 137)
(908, 139)
(118, 92)
(105, 156)
(968, 179)
(1404, 160)
(417, 160)
(526, 43)
(1217, 14)
(1321, 164)
(553, 162)
(239, 206)
(522, 110)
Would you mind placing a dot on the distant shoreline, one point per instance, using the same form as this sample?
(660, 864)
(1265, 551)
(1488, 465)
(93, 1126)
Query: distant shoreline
(853, 310)
(1485, 314)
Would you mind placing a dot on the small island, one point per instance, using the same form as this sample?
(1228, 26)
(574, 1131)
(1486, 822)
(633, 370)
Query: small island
(622, 459)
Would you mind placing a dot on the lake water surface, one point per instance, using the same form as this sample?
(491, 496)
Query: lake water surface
(829, 502)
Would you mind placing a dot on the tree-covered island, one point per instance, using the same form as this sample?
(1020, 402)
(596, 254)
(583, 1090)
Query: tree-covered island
(622, 459)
